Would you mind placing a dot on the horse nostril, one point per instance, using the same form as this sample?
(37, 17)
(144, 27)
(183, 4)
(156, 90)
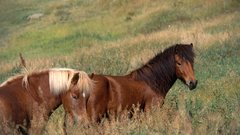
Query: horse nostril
(193, 84)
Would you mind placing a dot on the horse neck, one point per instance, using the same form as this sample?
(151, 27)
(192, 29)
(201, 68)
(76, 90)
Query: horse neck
(39, 89)
(160, 75)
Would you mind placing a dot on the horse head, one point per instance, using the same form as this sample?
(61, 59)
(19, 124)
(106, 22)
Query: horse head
(75, 98)
(184, 59)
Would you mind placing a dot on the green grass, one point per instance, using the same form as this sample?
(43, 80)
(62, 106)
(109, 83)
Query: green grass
(185, 13)
(116, 37)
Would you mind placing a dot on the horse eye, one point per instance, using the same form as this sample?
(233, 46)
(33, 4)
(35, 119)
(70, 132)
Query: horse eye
(74, 96)
(179, 64)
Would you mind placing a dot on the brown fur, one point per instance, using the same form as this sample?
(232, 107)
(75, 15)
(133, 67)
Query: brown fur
(145, 86)
(18, 102)
(28, 97)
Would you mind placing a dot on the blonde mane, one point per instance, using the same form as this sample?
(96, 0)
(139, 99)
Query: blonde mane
(59, 80)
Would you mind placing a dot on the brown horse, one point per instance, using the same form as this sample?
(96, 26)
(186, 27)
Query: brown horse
(25, 99)
(145, 86)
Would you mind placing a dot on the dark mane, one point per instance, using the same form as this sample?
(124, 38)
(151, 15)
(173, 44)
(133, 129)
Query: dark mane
(159, 72)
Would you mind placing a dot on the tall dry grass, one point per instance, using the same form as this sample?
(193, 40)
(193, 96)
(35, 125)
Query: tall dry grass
(116, 37)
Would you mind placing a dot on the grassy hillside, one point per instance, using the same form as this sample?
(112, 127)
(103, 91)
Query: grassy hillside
(116, 37)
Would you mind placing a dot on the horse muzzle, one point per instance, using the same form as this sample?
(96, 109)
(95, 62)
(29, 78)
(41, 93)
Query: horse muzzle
(192, 84)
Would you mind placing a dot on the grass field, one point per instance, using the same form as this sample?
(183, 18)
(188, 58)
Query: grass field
(116, 37)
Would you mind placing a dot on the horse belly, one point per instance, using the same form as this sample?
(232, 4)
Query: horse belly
(134, 96)
(126, 99)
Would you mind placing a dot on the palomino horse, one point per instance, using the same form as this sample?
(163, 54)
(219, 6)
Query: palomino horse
(25, 99)
(145, 86)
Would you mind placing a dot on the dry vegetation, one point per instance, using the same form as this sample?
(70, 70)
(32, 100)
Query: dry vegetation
(115, 37)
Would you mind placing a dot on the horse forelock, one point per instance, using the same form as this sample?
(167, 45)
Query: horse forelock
(84, 84)
(185, 51)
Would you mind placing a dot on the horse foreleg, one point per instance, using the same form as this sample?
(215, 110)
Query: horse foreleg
(153, 102)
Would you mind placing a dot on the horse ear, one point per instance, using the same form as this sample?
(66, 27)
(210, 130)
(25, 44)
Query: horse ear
(75, 78)
(91, 76)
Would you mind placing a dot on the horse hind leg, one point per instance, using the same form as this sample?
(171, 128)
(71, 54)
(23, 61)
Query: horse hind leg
(22, 130)
(6, 126)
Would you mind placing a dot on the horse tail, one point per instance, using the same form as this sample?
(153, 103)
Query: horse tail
(23, 62)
